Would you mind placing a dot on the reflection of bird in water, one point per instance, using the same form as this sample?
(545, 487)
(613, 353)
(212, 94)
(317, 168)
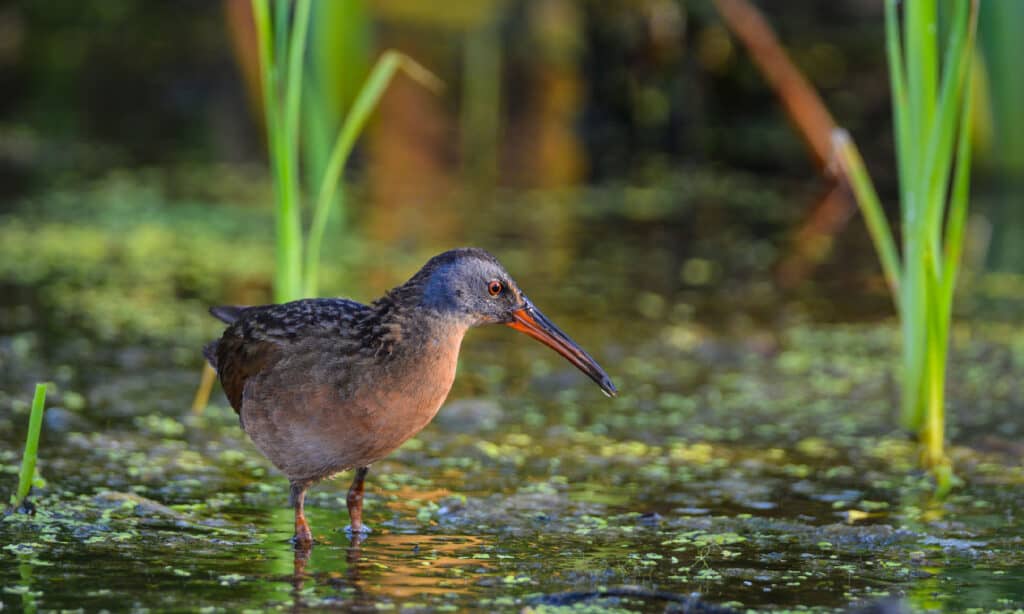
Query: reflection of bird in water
(393, 567)
(325, 385)
(352, 578)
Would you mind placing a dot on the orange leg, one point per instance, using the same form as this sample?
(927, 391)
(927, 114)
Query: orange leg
(355, 505)
(303, 539)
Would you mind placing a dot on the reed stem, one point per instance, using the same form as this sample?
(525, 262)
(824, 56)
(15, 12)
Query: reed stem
(931, 116)
(28, 459)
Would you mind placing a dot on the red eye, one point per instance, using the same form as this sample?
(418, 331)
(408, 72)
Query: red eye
(495, 288)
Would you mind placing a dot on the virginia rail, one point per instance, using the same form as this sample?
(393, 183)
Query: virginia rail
(326, 385)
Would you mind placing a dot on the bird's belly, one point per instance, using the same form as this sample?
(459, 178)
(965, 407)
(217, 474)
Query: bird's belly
(394, 417)
(320, 431)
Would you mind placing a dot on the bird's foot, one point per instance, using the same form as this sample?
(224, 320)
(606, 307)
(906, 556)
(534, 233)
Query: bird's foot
(302, 541)
(303, 538)
(361, 532)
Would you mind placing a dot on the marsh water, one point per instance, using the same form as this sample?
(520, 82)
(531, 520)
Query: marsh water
(752, 460)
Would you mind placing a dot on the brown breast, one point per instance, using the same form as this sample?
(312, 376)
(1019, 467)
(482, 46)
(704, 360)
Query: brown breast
(314, 413)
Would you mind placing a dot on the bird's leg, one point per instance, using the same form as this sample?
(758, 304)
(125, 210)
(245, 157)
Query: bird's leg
(303, 539)
(355, 505)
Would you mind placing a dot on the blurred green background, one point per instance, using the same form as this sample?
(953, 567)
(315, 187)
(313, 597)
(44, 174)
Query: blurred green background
(627, 162)
(630, 119)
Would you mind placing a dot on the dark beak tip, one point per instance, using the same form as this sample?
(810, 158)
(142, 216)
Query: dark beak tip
(609, 388)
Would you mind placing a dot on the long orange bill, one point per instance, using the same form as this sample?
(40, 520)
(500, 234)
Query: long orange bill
(531, 321)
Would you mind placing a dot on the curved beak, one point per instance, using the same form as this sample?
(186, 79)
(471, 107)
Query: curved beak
(528, 319)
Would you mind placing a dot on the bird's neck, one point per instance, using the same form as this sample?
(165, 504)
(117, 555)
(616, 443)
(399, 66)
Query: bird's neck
(401, 324)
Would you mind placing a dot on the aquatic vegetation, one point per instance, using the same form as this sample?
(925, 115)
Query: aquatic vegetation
(928, 121)
(931, 113)
(27, 474)
(282, 38)
(999, 132)
(715, 439)
(746, 481)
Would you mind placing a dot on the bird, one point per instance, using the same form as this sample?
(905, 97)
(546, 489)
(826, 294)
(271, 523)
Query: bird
(326, 385)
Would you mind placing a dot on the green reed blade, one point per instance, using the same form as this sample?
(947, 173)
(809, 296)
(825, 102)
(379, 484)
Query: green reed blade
(942, 132)
(898, 83)
(28, 459)
(929, 117)
(338, 61)
(958, 198)
(871, 207)
(293, 90)
(288, 271)
(355, 121)
(920, 25)
(915, 63)
(913, 323)
(933, 430)
(282, 8)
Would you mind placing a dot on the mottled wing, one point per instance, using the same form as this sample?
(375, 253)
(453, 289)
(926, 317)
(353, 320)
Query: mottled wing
(260, 337)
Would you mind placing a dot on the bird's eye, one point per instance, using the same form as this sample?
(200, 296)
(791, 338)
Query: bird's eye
(495, 287)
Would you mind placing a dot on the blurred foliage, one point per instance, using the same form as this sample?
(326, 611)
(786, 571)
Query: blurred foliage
(665, 83)
(340, 47)
(104, 83)
(667, 105)
(113, 72)
(999, 27)
(999, 40)
(751, 424)
(123, 261)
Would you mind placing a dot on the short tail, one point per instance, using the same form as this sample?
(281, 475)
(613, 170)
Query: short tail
(210, 352)
(227, 313)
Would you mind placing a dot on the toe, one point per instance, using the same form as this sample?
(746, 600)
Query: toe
(363, 530)
(302, 540)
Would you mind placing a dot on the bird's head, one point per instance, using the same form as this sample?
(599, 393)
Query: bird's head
(470, 285)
